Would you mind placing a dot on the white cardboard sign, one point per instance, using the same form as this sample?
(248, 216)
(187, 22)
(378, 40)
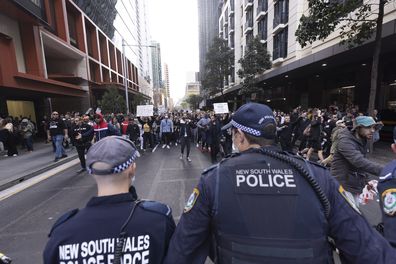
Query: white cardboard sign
(144, 110)
(220, 108)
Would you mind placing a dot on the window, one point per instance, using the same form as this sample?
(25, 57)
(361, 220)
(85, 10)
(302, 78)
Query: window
(71, 20)
(249, 19)
(280, 45)
(262, 6)
(262, 28)
(232, 41)
(249, 37)
(281, 12)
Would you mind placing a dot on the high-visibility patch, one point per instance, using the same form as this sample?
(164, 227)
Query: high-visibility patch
(191, 200)
(349, 198)
(389, 202)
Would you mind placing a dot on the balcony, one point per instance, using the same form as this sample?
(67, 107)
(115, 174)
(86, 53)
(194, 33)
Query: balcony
(248, 4)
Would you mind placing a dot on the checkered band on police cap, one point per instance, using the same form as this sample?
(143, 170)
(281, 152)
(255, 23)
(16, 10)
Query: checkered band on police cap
(116, 152)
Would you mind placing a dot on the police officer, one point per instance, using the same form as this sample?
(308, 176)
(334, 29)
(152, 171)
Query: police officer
(387, 192)
(264, 206)
(113, 227)
(82, 135)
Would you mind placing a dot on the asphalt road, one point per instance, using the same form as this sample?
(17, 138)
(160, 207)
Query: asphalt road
(27, 216)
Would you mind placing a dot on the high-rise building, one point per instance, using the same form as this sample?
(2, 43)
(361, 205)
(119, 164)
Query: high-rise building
(320, 74)
(208, 15)
(156, 64)
(166, 84)
(192, 88)
(53, 56)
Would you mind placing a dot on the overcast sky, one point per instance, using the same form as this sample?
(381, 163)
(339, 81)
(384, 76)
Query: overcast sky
(174, 24)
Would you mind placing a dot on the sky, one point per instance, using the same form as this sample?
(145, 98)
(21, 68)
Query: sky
(174, 24)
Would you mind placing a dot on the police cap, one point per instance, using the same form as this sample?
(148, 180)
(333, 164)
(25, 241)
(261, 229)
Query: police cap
(251, 118)
(116, 152)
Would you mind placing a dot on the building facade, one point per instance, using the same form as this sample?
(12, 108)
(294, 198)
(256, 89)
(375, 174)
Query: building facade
(208, 15)
(54, 57)
(320, 74)
(166, 85)
(192, 88)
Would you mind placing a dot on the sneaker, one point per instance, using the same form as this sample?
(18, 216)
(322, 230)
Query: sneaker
(81, 170)
(163, 146)
(15, 155)
(167, 146)
(188, 159)
(197, 145)
(176, 144)
(64, 156)
(56, 159)
(5, 155)
(181, 157)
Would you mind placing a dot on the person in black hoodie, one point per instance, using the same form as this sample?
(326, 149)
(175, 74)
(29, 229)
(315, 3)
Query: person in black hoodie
(285, 135)
(82, 135)
(185, 136)
(214, 137)
(133, 131)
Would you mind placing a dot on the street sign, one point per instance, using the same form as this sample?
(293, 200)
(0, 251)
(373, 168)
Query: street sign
(144, 110)
(221, 108)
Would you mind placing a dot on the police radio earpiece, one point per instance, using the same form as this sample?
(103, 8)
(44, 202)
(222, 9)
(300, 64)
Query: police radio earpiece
(123, 234)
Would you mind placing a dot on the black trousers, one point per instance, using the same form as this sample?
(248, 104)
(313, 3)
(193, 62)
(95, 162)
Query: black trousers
(81, 154)
(185, 141)
(166, 136)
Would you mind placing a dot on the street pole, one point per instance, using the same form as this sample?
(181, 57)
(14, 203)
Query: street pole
(125, 77)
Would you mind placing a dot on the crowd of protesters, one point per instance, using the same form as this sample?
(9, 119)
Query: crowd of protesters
(16, 131)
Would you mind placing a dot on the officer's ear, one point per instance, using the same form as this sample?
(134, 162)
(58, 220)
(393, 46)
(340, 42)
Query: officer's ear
(131, 170)
(241, 135)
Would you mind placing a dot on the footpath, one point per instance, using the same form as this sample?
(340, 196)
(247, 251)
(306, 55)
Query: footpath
(14, 170)
(26, 165)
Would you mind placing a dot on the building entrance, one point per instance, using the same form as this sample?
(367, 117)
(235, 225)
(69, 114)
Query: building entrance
(21, 108)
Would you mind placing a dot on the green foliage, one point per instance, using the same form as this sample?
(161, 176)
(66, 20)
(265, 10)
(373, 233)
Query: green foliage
(255, 61)
(218, 66)
(354, 17)
(194, 100)
(112, 101)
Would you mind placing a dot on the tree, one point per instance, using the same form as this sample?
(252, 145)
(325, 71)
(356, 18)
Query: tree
(255, 61)
(194, 100)
(112, 101)
(218, 66)
(357, 20)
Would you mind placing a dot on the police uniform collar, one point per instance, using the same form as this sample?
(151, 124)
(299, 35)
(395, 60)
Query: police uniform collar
(111, 199)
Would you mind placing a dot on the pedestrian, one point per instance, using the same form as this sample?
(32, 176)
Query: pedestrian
(314, 138)
(285, 135)
(82, 135)
(213, 137)
(133, 131)
(350, 165)
(27, 130)
(262, 206)
(11, 138)
(340, 124)
(166, 130)
(185, 136)
(203, 124)
(57, 132)
(114, 227)
(103, 129)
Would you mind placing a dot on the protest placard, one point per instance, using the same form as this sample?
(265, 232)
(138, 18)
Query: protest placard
(144, 110)
(220, 108)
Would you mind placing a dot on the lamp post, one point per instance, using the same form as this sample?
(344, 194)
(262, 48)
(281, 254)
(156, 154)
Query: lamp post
(125, 64)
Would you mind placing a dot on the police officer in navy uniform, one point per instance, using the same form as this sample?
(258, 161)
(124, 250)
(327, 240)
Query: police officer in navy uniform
(387, 195)
(114, 227)
(264, 206)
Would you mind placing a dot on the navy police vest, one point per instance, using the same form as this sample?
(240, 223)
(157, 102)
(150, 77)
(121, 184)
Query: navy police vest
(266, 212)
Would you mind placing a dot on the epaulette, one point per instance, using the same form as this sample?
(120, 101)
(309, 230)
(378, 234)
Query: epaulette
(209, 169)
(156, 207)
(63, 219)
(388, 172)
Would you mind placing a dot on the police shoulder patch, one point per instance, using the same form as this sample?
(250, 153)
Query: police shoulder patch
(191, 200)
(61, 220)
(349, 198)
(389, 201)
(156, 207)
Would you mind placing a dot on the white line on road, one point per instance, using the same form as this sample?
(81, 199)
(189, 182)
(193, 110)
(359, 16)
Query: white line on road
(32, 181)
(155, 147)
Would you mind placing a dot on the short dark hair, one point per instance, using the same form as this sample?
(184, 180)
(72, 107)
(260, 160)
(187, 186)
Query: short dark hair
(269, 130)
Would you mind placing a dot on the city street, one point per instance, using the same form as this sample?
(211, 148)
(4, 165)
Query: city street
(28, 215)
